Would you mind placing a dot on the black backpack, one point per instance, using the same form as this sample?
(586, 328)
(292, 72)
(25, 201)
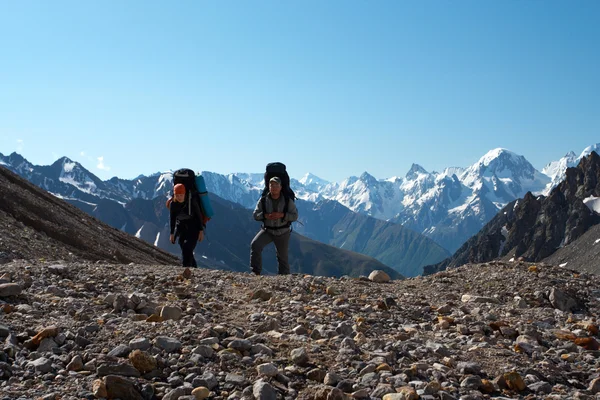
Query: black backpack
(278, 169)
(187, 177)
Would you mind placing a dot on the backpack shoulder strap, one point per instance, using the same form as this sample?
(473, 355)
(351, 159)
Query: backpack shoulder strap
(286, 201)
(263, 204)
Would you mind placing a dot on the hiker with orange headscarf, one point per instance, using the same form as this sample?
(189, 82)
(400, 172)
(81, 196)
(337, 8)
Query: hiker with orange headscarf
(186, 223)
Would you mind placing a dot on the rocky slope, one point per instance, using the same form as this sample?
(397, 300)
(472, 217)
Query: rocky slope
(34, 224)
(77, 330)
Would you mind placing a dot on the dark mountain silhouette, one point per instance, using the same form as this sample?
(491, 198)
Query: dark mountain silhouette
(534, 228)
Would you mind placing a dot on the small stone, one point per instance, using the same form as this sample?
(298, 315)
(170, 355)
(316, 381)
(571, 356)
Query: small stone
(171, 312)
(140, 344)
(267, 369)
(316, 374)
(299, 356)
(118, 387)
(10, 289)
(300, 330)
(594, 386)
(331, 291)
(201, 393)
(99, 389)
(142, 361)
(404, 393)
(331, 379)
(170, 345)
(383, 367)
(514, 381)
(121, 350)
(263, 391)
(378, 276)
(261, 294)
(76, 364)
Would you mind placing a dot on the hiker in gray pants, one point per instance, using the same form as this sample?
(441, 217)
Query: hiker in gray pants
(277, 214)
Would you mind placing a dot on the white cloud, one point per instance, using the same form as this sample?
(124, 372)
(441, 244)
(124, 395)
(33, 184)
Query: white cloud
(20, 145)
(82, 153)
(101, 164)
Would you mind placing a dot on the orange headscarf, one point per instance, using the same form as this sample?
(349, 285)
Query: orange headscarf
(179, 189)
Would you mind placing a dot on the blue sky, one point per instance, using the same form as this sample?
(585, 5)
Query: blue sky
(331, 87)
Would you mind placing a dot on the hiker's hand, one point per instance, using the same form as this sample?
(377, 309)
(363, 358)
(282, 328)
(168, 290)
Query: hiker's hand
(277, 215)
(269, 216)
(201, 236)
(172, 239)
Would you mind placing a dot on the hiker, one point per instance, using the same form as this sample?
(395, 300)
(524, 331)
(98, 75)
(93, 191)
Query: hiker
(186, 223)
(277, 218)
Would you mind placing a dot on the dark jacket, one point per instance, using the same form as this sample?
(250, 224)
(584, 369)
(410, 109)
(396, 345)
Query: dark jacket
(184, 217)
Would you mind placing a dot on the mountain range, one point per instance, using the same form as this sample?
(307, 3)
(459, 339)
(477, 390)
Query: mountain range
(33, 222)
(536, 228)
(382, 218)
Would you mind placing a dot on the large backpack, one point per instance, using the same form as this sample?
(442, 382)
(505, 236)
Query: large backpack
(278, 169)
(188, 178)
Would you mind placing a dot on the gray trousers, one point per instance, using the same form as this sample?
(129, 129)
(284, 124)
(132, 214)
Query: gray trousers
(259, 242)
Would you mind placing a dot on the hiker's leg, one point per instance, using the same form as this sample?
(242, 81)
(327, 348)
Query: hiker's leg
(193, 243)
(187, 247)
(259, 242)
(282, 244)
(181, 242)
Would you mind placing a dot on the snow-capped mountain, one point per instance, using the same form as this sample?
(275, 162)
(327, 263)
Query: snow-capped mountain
(556, 169)
(448, 206)
(313, 183)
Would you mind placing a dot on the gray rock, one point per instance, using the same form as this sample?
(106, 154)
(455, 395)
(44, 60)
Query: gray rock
(270, 324)
(170, 345)
(378, 276)
(76, 364)
(42, 365)
(235, 379)
(267, 369)
(381, 390)
(175, 394)
(562, 301)
(541, 387)
(10, 289)
(117, 369)
(121, 350)
(240, 345)
(331, 379)
(47, 345)
(260, 348)
(299, 356)
(59, 269)
(118, 387)
(467, 298)
(263, 391)
(204, 351)
(594, 386)
(466, 368)
(171, 312)
(207, 380)
(4, 330)
(471, 382)
(140, 344)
